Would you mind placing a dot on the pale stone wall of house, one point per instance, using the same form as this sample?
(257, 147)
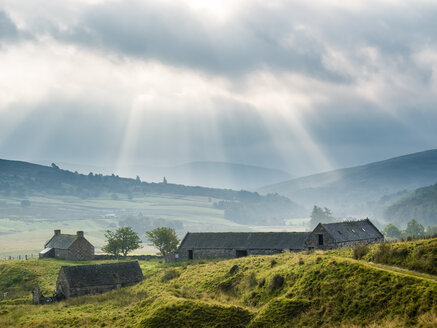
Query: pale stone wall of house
(82, 250)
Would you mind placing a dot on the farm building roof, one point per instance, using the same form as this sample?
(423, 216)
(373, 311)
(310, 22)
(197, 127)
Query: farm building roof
(102, 274)
(245, 240)
(62, 241)
(352, 230)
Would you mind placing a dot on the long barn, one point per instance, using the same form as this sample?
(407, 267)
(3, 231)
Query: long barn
(237, 244)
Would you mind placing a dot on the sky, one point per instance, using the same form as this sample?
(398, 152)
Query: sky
(302, 86)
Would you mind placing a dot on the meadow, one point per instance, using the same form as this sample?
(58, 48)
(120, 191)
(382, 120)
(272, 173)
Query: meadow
(307, 289)
(23, 230)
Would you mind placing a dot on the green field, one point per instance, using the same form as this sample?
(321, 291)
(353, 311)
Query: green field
(23, 230)
(308, 289)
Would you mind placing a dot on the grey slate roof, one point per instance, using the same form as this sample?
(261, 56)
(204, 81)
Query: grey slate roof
(62, 241)
(245, 240)
(352, 230)
(123, 273)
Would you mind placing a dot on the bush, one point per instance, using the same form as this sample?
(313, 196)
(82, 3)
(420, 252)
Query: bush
(360, 251)
(273, 263)
(169, 275)
(276, 283)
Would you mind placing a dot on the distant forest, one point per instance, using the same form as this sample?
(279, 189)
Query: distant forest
(420, 204)
(21, 180)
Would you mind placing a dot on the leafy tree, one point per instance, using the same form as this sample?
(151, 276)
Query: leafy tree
(123, 240)
(319, 214)
(391, 231)
(431, 231)
(164, 180)
(414, 229)
(164, 239)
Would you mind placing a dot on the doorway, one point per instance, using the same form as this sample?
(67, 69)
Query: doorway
(190, 254)
(241, 253)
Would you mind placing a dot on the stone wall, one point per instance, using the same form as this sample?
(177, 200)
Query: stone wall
(222, 253)
(313, 239)
(82, 250)
(360, 242)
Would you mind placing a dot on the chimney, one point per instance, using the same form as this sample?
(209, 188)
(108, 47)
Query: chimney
(57, 232)
(80, 234)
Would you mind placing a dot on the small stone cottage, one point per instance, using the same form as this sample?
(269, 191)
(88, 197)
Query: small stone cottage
(68, 247)
(82, 280)
(238, 244)
(343, 234)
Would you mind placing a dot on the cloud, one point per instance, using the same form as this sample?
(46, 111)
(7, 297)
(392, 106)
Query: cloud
(8, 30)
(285, 84)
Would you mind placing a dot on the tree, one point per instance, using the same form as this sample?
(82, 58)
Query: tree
(123, 240)
(164, 180)
(164, 239)
(391, 231)
(414, 229)
(431, 231)
(319, 214)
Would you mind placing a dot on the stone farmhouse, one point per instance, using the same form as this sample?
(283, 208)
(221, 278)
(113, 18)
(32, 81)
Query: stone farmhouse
(238, 244)
(82, 280)
(68, 247)
(343, 234)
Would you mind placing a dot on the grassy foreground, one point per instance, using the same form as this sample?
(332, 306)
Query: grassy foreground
(287, 290)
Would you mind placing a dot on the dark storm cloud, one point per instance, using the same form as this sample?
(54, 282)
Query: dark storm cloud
(8, 30)
(256, 39)
(289, 37)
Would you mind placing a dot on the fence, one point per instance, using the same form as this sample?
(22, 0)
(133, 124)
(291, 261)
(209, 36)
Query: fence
(17, 257)
(96, 257)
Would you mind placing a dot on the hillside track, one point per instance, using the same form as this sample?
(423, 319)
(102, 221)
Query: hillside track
(393, 269)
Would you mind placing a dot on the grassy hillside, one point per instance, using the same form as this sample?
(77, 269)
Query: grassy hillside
(362, 190)
(287, 290)
(420, 204)
(418, 255)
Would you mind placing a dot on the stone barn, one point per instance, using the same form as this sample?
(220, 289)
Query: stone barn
(343, 234)
(82, 280)
(238, 244)
(68, 247)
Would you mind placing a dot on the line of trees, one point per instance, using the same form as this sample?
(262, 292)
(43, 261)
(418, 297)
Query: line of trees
(414, 229)
(125, 240)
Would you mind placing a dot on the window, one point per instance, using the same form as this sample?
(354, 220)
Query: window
(320, 239)
(363, 229)
(353, 230)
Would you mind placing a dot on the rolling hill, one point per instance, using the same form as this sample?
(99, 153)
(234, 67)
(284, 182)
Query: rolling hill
(362, 190)
(306, 289)
(225, 175)
(421, 204)
(35, 199)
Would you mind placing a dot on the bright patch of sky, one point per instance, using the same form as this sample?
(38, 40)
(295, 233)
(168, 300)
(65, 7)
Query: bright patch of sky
(300, 86)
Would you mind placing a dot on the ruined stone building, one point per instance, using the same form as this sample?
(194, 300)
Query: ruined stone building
(82, 280)
(68, 247)
(237, 244)
(343, 234)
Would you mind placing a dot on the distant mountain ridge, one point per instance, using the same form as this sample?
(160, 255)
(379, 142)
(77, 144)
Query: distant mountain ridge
(21, 179)
(362, 189)
(225, 175)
